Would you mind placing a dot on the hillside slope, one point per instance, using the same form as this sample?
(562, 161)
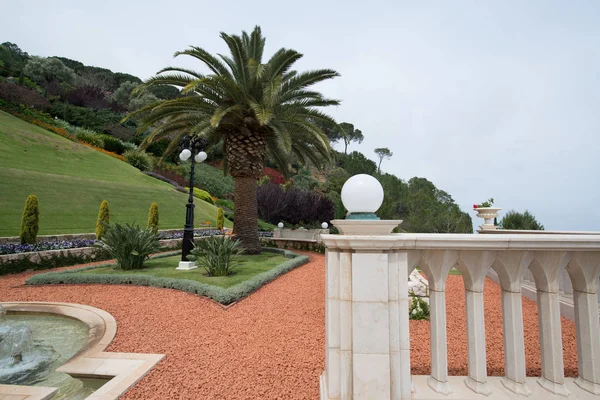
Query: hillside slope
(71, 180)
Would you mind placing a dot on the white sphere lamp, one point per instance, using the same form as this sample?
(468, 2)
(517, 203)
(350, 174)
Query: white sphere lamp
(280, 225)
(362, 195)
(200, 157)
(324, 225)
(185, 154)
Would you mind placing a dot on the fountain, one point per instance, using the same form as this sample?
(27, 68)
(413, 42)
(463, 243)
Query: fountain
(33, 346)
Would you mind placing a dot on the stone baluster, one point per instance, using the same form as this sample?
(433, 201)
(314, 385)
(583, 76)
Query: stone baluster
(546, 268)
(584, 270)
(511, 267)
(436, 264)
(474, 266)
(346, 311)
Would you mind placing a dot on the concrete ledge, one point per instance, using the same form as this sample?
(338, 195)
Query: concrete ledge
(124, 369)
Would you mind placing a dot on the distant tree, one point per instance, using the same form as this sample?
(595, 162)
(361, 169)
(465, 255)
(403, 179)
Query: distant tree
(123, 93)
(164, 92)
(383, 153)
(44, 70)
(12, 59)
(73, 64)
(88, 96)
(520, 221)
(356, 163)
(18, 94)
(30, 220)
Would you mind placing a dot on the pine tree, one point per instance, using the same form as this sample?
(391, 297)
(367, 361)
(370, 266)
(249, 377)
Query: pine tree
(103, 216)
(153, 218)
(30, 221)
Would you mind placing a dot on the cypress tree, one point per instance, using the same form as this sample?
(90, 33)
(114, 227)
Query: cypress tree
(103, 216)
(153, 218)
(220, 219)
(30, 221)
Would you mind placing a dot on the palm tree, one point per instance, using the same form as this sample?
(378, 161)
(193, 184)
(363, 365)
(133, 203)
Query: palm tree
(250, 108)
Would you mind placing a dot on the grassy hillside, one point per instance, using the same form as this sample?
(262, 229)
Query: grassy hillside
(71, 181)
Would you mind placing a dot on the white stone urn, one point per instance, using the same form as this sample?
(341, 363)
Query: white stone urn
(488, 214)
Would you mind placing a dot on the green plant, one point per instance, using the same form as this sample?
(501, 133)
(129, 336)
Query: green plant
(153, 218)
(418, 308)
(139, 159)
(487, 203)
(520, 221)
(30, 220)
(129, 244)
(220, 219)
(217, 255)
(202, 195)
(89, 136)
(113, 144)
(227, 205)
(103, 218)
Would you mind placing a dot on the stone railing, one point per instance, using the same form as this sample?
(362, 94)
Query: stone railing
(367, 321)
(309, 235)
(567, 308)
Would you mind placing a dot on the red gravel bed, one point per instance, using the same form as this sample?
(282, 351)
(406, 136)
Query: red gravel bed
(271, 344)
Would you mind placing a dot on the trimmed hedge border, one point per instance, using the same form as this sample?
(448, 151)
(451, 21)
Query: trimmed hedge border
(221, 295)
(286, 243)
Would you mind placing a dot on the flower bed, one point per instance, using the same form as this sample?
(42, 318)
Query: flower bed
(12, 248)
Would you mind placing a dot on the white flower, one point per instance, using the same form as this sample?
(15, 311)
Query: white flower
(414, 311)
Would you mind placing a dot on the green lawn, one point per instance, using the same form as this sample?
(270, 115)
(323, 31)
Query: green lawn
(165, 268)
(71, 180)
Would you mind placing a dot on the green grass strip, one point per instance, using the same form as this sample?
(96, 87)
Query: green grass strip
(222, 295)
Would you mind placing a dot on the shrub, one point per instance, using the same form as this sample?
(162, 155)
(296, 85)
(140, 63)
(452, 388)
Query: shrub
(113, 144)
(129, 244)
(153, 218)
(89, 136)
(293, 206)
(202, 195)
(139, 159)
(18, 94)
(212, 180)
(220, 219)
(418, 309)
(59, 259)
(274, 176)
(30, 220)
(217, 255)
(227, 205)
(305, 182)
(103, 218)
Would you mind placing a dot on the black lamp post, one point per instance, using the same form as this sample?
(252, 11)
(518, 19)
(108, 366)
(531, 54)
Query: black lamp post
(192, 147)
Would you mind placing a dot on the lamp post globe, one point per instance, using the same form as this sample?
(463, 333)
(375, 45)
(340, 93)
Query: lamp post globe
(362, 195)
(324, 225)
(201, 156)
(185, 154)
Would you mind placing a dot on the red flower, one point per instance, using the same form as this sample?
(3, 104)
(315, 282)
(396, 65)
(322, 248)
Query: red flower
(474, 205)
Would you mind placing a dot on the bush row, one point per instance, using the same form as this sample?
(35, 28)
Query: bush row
(293, 206)
(48, 262)
(222, 295)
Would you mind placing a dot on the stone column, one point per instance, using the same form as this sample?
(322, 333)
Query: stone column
(368, 349)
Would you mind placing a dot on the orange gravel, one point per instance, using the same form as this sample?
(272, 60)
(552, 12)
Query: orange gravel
(268, 346)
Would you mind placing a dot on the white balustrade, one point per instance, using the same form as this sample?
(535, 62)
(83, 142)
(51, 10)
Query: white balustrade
(367, 321)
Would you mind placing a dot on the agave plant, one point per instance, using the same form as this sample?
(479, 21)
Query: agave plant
(130, 245)
(217, 254)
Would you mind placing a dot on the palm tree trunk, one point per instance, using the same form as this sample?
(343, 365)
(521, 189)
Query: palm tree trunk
(245, 226)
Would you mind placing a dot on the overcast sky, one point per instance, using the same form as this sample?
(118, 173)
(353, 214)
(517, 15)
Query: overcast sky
(485, 99)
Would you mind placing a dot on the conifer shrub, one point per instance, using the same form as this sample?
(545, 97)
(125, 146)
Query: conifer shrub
(153, 218)
(103, 216)
(220, 219)
(30, 221)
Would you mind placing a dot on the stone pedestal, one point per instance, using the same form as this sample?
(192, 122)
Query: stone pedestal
(186, 265)
(367, 338)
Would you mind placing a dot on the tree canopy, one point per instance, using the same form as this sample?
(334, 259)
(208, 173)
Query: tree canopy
(520, 221)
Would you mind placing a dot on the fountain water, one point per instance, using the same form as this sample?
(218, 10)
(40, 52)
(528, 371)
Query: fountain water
(33, 345)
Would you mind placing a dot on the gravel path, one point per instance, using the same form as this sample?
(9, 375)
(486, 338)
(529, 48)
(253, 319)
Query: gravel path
(270, 345)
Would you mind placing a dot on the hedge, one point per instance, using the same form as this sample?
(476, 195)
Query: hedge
(222, 295)
(49, 262)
